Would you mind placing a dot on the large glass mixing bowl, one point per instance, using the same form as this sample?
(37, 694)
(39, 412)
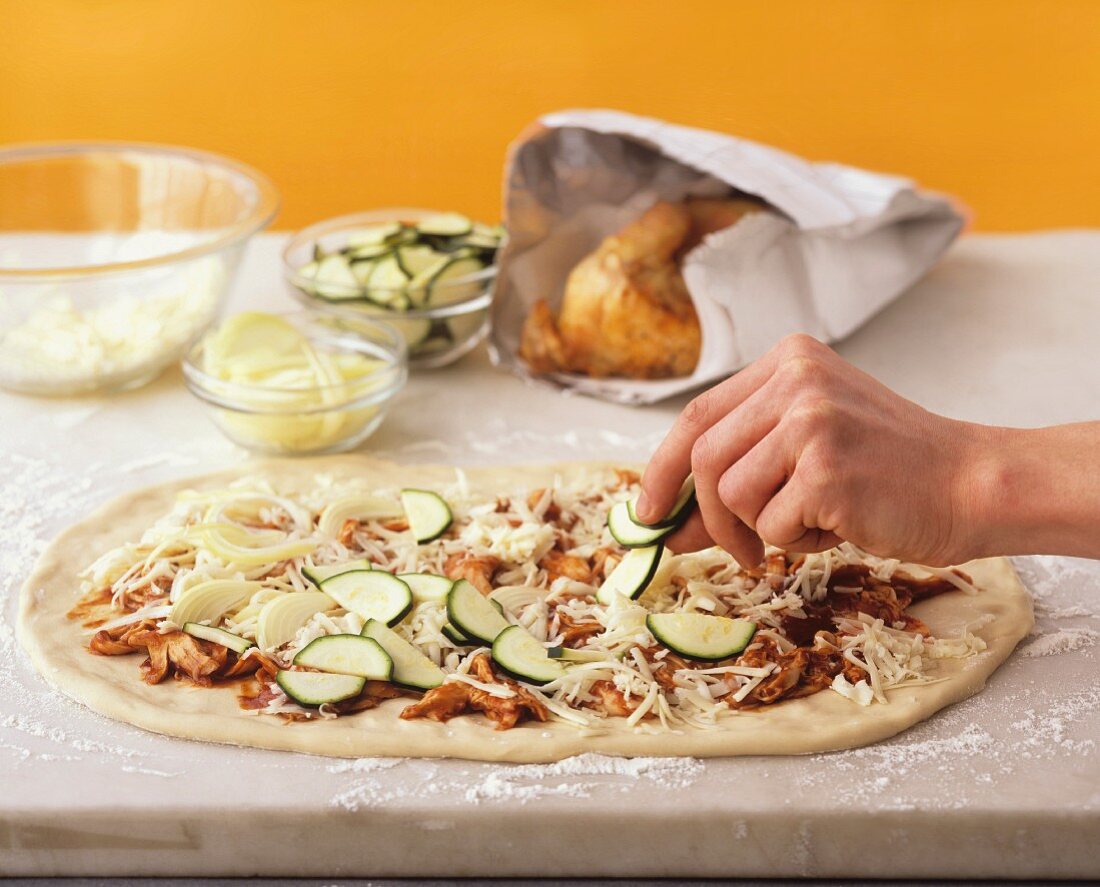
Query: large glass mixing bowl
(115, 258)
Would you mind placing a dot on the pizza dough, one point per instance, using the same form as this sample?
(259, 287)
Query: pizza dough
(112, 685)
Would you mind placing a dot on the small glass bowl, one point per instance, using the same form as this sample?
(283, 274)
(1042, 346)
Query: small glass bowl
(305, 421)
(435, 336)
(114, 258)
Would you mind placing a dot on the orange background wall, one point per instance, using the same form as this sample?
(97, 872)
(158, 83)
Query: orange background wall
(350, 105)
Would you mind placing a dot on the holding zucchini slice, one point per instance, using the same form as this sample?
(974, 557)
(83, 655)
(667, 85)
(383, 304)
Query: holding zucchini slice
(681, 508)
(632, 533)
(701, 636)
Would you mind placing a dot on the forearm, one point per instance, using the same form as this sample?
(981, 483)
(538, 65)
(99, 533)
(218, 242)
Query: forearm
(1034, 491)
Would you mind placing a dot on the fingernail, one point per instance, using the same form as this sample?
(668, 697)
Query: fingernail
(642, 507)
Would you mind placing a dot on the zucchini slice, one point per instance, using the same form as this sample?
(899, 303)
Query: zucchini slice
(701, 636)
(570, 655)
(524, 658)
(445, 288)
(445, 225)
(335, 280)
(428, 515)
(374, 235)
(415, 259)
(629, 534)
(372, 594)
(386, 284)
(472, 614)
(427, 586)
(281, 617)
(317, 575)
(313, 689)
(411, 668)
(456, 637)
(348, 654)
(632, 575)
(681, 508)
(367, 251)
(227, 639)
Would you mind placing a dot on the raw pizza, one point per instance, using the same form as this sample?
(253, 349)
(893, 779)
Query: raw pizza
(348, 606)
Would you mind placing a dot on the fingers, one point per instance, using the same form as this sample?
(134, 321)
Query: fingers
(789, 517)
(723, 445)
(671, 463)
(751, 482)
(693, 536)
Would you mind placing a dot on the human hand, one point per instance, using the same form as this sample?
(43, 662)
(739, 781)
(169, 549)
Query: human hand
(802, 450)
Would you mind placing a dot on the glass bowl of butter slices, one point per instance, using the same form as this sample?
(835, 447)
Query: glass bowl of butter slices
(114, 258)
(426, 273)
(297, 384)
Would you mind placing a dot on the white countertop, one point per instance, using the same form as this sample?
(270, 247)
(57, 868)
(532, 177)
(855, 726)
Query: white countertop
(1005, 784)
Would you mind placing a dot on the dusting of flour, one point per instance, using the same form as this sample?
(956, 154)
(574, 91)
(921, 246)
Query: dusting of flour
(1064, 640)
(1038, 717)
(576, 777)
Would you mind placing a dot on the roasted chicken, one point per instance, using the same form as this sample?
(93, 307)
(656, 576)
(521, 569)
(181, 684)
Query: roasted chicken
(626, 310)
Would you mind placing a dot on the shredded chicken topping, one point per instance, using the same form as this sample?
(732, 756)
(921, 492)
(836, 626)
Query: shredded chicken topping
(837, 620)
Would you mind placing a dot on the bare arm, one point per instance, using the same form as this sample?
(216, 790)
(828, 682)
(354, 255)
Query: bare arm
(802, 450)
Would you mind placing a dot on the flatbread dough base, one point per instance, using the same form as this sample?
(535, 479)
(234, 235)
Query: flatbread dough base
(112, 685)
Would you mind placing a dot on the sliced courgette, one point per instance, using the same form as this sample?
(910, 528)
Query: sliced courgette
(313, 689)
(445, 225)
(632, 575)
(372, 594)
(411, 668)
(456, 637)
(335, 280)
(428, 514)
(349, 654)
(227, 639)
(701, 636)
(368, 251)
(427, 586)
(375, 235)
(524, 658)
(481, 241)
(387, 281)
(448, 288)
(681, 508)
(472, 614)
(415, 259)
(570, 655)
(629, 534)
(317, 575)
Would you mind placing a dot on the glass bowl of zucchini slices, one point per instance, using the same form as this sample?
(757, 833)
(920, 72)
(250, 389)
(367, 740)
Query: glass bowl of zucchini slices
(297, 384)
(426, 273)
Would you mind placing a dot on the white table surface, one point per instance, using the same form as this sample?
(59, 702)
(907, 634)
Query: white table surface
(1006, 784)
